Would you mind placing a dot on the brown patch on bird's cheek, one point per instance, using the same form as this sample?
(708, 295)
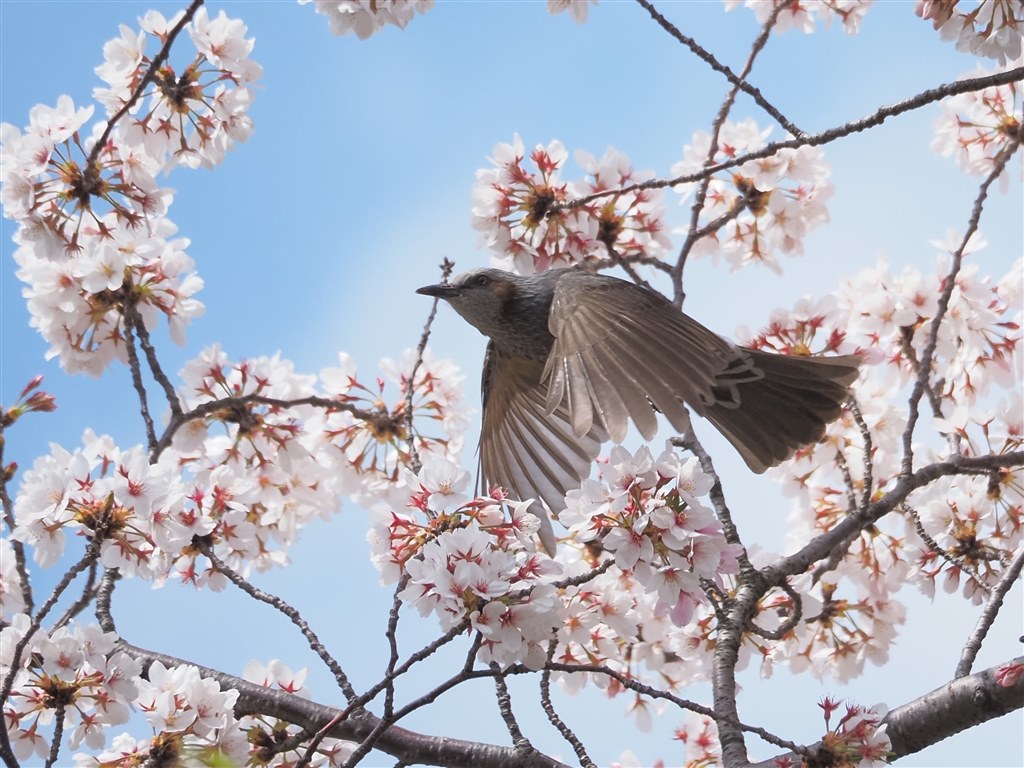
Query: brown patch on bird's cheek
(506, 292)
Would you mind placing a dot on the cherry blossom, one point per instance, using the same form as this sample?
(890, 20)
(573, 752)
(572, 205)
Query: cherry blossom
(772, 202)
(195, 116)
(976, 126)
(366, 17)
(803, 15)
(265, 734)
(578, 9)
(512, 208)
(377, 448)
(73, 671)
(992, 28)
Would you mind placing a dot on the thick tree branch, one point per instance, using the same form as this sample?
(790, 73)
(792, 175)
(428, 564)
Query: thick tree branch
(405, 745)
(944, 712)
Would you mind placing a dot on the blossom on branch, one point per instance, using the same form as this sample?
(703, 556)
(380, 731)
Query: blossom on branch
(977, 126)
(992, 28)
(804, 14)
(72, 671)
(366, 17)
(762, 207)
(517, 209)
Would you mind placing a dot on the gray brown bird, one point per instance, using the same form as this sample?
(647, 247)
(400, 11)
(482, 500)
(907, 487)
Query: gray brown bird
(573, 356)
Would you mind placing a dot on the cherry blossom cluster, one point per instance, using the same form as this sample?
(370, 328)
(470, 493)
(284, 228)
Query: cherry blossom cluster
(962, 531)
(991, 28)
(73, 672)
(803, 15)
(514, 208)
(470, 559)
(269, 737)
(366, 17)
(648, 513)
(192, 719)
(94, 239)
(836, 635)
(378, 448)
(975, 127)
(700, 738)
(858, 738)
(255, 461)
(772, 203)
(192, 116)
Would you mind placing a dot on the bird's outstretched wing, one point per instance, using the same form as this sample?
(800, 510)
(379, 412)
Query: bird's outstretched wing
(620, 348)
(523, 448)
(621, 351)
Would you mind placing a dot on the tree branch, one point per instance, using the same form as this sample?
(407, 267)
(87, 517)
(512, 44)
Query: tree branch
(944, 712)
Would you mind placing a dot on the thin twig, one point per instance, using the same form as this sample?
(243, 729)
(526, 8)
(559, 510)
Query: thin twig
(391, 635)
(232, 404)
(791, 621)
(282, 606)
(716, 129)
(553, 718)
(20, 563)
(91, 553)
(654, 693)
(154, 366)
(414, 455)
(505, 709)
(690, 442)
(58, 734)
(88, 593)
(988, 616)
(876, 118)
(705, 56)
(131, 316)
(927, 355)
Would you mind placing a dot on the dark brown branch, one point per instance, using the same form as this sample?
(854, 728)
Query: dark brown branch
(704, 55)
(694, 234)
(211, 407)
(131, 317)
(553, 718)
(988, 616)
(654, 693)
(296, 618)
(414, 455)
(946, 711)
(849, 527)
(405, 745)
(928, 353)
(818, 139)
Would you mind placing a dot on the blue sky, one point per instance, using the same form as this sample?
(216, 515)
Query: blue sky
(356, 183)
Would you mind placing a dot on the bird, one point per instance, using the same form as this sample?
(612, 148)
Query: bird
(574, 356)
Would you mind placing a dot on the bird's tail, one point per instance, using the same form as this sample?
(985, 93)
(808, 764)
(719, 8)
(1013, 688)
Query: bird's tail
(788, 407)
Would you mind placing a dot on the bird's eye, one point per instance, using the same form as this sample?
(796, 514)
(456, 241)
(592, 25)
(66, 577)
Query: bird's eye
(482, 280)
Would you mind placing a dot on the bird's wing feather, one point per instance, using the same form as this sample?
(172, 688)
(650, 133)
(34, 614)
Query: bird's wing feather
(528, 451)
(620, 348)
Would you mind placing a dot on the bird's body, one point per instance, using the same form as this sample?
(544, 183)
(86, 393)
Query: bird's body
(574, 356)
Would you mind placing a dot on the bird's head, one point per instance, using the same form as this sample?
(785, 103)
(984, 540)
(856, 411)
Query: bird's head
(481, 296)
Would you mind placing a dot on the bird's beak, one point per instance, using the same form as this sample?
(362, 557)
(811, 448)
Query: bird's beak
(442, 291)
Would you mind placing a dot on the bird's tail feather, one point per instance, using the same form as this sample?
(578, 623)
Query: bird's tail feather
(787, 408)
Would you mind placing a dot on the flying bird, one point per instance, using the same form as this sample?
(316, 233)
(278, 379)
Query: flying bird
(574, 356)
